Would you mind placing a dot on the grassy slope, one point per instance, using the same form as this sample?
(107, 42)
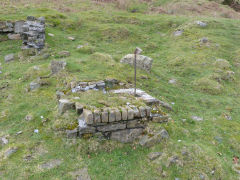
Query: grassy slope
(117, 33)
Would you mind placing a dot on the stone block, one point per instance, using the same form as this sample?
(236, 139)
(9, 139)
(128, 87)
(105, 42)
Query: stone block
(97, 116)
(126, 135)
(14, 36)
(64, 105)
(130, 114)
(124, 114)
(79, 108)
(136, 112)
(142, 111)
(88, 116)
(112, 116)
(18, 27)
(86, 130)
(148, 111)
(135, 124)
(118, 115)
(111, 127)
(104, 116)
(160, 119)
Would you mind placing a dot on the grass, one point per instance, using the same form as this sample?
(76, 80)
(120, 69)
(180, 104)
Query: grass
(110, 34)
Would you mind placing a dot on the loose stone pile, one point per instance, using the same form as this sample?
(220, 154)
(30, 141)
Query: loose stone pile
(33, 33)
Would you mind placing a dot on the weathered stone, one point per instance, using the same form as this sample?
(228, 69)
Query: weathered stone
(88, 116)
(6, 26)
(154, 155)
(111, 127)
(14, 36)
(79, 108)
(104, 116)
(142, 111)
(172, 81)
(196, 118)
(72, 133)
(178, 32)
(84, 128)
(200, 23)
(9, 58)
(28, 117)
(149, 141)
(51, 164)
(136, 112)
(3, 141)
(64, 105)
(59, 94)
(135, 124)
(130, 114)
(64, 54)
(97, 116)
(148, 111)
(118, 114)
(124, 114)
(204, 40)
(126, 135)
(165, 105)
(10, 151)
(34, 85)
(143, 62)
(18, 27)
(112, 116)
(71, 38)
(57, 66)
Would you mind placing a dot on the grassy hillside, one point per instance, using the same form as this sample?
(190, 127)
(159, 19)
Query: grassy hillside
(203, 88)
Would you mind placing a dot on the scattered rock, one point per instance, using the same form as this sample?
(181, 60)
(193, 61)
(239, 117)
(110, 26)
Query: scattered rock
(151, 140)
(10, 151)
(80, 46)
(81, 174)
(172, 81)
(204, 40)
(200, 23)
(57, 66)
(36, 131)
(64, 105)
(71, 38)
(126, 135)
(50, 34)
(14, 36)
(154, 155)
(9, 57)
(72, 133)
(34, 85)
(196, 118)
(3, 141)
(51, 164)
(174, 160)
(64, 54)
(18, 133)
(178, 32)
(143, 62)
(28, 117)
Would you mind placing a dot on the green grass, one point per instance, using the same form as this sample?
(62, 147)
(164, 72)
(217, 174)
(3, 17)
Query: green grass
(109, 31)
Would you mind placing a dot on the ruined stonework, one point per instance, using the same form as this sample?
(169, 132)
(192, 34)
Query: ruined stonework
(33, 33)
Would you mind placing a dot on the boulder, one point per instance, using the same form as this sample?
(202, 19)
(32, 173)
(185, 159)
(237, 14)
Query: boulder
(143, 62)
(9, 58)
(149, 141)
(64, 105)
(126, 135)
(57, 66)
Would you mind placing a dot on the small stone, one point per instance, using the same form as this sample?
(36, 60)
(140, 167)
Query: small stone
(88, 116)
(34, 85)
(28, 117)
(64, 105)
(57, 66)
(196, 118)
(160, 119)
(50, 34)
(148, 111)
(172, 81)
(51, 164)
(71, 38)
(9, 58)
(178, 33)
(72, 133)
(154, 155)
(18, 133)
(36, 131)
(204, 40)
(10, 151)
(202, 177)
(80, 46)
(200, 23)
(64, 54)
(136, 112)
(3, 141)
